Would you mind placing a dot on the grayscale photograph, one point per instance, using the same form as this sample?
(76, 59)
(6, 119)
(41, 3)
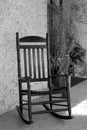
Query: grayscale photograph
(43, 64)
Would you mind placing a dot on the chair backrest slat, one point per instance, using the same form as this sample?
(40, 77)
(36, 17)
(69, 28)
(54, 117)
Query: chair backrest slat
(29, 62)
(42, 56)
(32, 46)
(33, 56)
(34, 63)
(25, 62)
(38, 62)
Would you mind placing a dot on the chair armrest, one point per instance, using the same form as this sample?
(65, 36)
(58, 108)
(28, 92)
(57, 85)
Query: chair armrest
(24, 79)
(59, 75)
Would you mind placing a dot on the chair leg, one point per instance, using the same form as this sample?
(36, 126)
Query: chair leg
(69, 107)
(20, 98)
(20, 107)
(29, 103)
(50, 99)
(22, 116)
(50, 95)
(69, 102)
(68, 97)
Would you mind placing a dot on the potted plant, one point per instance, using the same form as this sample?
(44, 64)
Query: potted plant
(78, 55)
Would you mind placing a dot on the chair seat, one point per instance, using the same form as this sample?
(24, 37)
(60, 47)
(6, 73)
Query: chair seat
(45, 92)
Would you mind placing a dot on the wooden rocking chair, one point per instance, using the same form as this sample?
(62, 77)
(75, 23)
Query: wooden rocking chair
(33, 61)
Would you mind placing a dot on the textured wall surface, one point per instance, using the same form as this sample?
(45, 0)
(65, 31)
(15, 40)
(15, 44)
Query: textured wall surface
(79, 16)
(81, 24)
(27, 17)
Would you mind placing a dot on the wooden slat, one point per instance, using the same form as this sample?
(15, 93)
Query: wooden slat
(25, 100)
(34, 64)
(38, 79)
(32, 46)
(59, 105)
(38, 62)
(58, 97)
(25, 63)
(43, 65)
(36, 93)
(53, 110)
(29, 60)
(25, 104)
(48, 102)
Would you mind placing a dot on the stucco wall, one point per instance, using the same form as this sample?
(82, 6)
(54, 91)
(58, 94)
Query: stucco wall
(79, 15)
(27, 17)
(81, 25)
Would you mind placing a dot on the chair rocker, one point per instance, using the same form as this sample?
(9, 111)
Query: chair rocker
(33, 66)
